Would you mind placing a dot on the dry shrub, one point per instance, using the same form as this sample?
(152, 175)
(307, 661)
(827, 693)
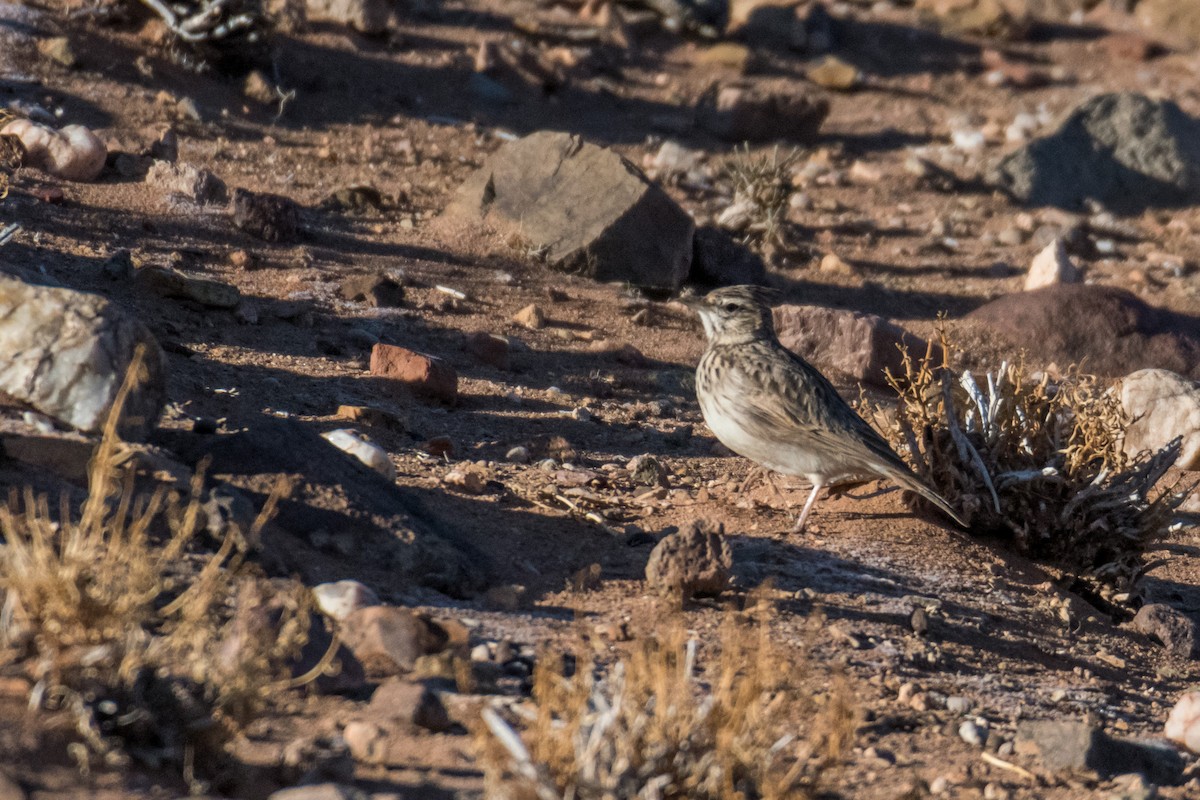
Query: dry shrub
(764, 182)
(121, 622)
(1038, 462)
(759, 727)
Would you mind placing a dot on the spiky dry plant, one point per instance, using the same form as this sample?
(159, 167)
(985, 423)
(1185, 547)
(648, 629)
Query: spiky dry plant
(762, 186)
(119, 620)
(759, 726)
(1036, 461)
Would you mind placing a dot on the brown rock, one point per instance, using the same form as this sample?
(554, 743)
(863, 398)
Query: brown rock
(1174, 18)
(531, 316)
(1008, 19)
(834, 73)
(58, 49)
(269, 217)
(850, 343)
(738, 114)
(1129, 47)
(488, 349)
(365, 16)
(374, 290)
(258, 88)
(425, 375)
(372, 417)
(695, 561)
(388, 640)
(411, 703)
(585, 208)
(1169, 627)
(1109, 329)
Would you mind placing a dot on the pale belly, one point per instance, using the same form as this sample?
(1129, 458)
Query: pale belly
(786, 459)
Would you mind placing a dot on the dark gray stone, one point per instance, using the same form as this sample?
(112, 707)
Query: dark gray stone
(1169, 627)
(587, 209)
(1124, 150)
(269, 217)
(1077, 746)
(719, 260)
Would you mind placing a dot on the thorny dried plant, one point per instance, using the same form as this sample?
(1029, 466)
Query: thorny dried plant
(655, 725)
(762, 186)
(121, 622)
(1038, 462)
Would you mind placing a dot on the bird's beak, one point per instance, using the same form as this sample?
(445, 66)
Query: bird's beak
(692, 301)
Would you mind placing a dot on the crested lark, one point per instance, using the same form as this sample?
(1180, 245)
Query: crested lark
(771, 406)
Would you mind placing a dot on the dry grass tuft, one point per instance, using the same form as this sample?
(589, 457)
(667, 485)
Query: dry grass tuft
(764, 184)
(754, 724)
(121, 622)
(1038, 462)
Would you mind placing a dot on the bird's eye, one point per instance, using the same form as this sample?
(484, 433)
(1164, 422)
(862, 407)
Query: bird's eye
(729, 308)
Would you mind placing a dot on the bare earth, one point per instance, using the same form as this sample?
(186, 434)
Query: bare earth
(394, 113)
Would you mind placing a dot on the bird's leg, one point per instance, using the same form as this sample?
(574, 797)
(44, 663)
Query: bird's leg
(754, 475)
(770, 479)
(812, 498)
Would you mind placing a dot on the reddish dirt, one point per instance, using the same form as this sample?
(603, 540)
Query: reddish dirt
(394, 113)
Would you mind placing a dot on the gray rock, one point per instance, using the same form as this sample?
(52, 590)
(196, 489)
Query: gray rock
(1075, 746)
(374, 290)
(719, 260)
(1124, 150)
(65, 353)
(389, 640)
(172, 283)
(198, 185)
(849, 343)
(695, 561)
(1169, 627)
(340, 599)
(587, 208)
(412, 703)
(365, 16)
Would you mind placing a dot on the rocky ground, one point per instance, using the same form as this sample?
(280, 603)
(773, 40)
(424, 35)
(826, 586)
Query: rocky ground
(527, 470)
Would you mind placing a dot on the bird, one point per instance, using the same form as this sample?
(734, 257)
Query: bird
(768, 404)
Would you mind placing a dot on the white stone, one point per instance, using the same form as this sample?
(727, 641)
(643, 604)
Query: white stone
(356, 444)
(1183, 723)
(1051, 266)
(1162, 405)
(341, 599)
(673, 157)
(65, 353)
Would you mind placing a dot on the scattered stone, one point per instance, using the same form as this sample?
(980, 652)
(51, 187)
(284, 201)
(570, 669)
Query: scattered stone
(518, 455)
(586, 207)
(739, 114)
(646, 470)
(73, 153)
(1169, 627)
(378, 291)
(372, 417)
(1129, 47)
(388, 640)
(850, 343)
(1162, 405)
(719, 260)
(366, 740)
(1005, 19)
(1125, 151)
(1171, 17)
(971, 732)
(58, 49)
(1183, 723)
(259, 89)
(269, 217)
(726, 54)
(488, 349)
(362, 448)
(426, 375)
(1052, 266)
(672, 158)
(1069, 745)
(65, 353)
(958, 704)
(833, 73)
(172, 283)
(531, 316)
(365, 16)
(411, 703)
(466, 479)
(832, 264)
(1109, 329)
(695, 561)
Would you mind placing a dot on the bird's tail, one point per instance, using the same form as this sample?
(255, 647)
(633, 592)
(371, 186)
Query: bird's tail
(909, 480)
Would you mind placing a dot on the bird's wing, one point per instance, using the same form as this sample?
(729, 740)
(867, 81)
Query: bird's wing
(798, 404)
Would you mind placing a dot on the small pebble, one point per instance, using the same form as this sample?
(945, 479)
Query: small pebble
(973, 733)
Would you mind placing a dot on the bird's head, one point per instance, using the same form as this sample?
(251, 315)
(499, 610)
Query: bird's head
(735, 314)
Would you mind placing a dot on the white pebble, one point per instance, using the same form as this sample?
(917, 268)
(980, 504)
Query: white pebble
(973, 733)
(356, 444)
(341, 599)
(1183, 723)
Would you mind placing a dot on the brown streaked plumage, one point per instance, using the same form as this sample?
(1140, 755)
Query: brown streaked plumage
(766, 403)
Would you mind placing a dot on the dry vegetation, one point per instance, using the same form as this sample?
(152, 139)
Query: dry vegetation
(658, 724)
(1039, 462)
(762, 185)
(126, 625)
